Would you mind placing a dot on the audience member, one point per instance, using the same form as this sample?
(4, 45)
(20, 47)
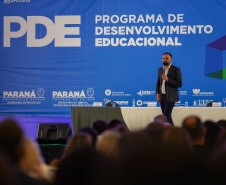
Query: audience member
(179, 164)
(222, 123)
(220, 140)
(107, 144)
(33, 164)
(100, 126)
(122, 129)
(91, 131)
(115, 123)
(79, 140)
(179, 139)
(161, 118)
(156, 125)
(12, 141)
(197, 131)
(136, 159)
(217, 164)
(7, 170)
(155, 130)
(212, 131)
(85, 167)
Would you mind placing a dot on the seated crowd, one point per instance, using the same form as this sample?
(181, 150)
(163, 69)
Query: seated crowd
(111, 154)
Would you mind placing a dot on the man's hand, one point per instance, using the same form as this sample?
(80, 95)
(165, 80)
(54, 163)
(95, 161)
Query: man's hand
(164, 77)
(158, 97)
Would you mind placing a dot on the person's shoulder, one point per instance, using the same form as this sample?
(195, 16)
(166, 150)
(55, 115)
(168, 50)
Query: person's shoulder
(174, 67)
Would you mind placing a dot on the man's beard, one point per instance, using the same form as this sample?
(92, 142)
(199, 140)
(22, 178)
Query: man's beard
(166, 63)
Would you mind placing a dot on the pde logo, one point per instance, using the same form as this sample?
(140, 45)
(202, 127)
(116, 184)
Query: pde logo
(57, 32)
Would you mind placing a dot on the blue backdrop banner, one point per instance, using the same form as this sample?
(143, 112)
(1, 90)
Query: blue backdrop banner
(55, 54)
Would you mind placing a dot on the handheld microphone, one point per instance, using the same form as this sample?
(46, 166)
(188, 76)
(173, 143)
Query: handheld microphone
(163, 71)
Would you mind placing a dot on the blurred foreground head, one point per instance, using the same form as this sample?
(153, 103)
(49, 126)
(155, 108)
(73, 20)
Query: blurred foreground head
(84, 167)
(32, 162)
(79, 140)
(160, 117)
(7, 170)
(107, 144)
(212, 132)
(100, 126)
(194, 127)
(90, 131)
(118, 126)
(11, 139)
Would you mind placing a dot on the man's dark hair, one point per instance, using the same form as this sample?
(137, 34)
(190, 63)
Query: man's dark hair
(212, 132)
(100, 126)
(194, 127)
(114, 123)
(222, 123)
(160, 117)
(11, 138)
(168, 54)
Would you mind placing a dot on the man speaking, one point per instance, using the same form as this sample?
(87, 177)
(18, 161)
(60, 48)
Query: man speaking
(169, 79)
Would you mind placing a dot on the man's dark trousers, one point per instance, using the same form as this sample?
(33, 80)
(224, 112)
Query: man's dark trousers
(167, 108)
